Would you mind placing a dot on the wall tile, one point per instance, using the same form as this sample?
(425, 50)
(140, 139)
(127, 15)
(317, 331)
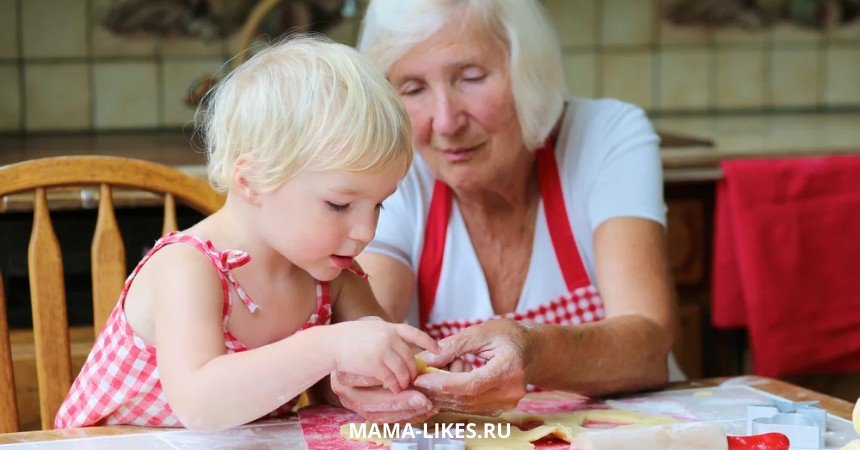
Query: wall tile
(794, 77)
(628, 75)
(574, 21)
(345, 32)
(627, 22)
(54, 28)
(57, 96)
(8, 29)
(738, 36)
(788, 33)
(174, 47)
(671, 33)
(842, 75)
(843, 33)
(126, 95)
(741, 78)
(580, 69)
(107, 44)
(10, 97)
(178, 76)
(684, 79)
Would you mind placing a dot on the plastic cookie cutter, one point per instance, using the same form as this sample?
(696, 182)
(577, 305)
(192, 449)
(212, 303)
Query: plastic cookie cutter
(804, 423)
(421, 442)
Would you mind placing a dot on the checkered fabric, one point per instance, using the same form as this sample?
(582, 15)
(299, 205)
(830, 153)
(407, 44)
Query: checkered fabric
(119, 383)
(579, 306)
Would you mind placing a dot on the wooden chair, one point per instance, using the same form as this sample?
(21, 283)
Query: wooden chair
(50, 326)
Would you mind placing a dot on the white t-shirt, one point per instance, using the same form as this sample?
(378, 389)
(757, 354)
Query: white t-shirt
(608, 156)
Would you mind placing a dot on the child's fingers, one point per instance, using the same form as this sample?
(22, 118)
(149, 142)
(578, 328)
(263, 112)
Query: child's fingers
(403, 351)
(398, 368)
(415, 336)
(389, 380)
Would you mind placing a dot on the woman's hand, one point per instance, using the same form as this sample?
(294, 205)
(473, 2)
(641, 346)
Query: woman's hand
(498, 385)
(367, 397)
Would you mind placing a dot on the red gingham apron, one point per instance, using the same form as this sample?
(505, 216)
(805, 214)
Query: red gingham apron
(582, 302)
(120, 384)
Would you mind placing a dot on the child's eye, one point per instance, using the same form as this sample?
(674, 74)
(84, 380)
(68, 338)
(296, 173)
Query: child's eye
(380, 206)
(338, 207)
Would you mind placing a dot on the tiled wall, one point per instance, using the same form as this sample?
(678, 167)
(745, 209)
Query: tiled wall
(59, 71)
(624, 49)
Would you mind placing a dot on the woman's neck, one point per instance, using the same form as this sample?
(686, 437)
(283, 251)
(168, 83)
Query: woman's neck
(512, 193)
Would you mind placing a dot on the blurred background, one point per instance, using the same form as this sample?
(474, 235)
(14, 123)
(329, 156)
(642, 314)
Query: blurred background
(136, 76)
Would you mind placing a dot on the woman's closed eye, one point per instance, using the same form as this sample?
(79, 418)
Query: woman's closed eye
(338, 207)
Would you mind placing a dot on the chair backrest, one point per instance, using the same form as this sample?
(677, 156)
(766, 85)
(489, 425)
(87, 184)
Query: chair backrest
(45, 265)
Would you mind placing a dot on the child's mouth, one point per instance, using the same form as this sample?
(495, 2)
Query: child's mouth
(344, 262)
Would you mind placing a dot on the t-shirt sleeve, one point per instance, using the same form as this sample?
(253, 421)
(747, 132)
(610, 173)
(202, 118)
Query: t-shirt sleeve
(400, 222)
(628, 175)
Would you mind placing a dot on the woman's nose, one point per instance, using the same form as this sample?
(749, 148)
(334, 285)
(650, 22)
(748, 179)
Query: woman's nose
(448, 116)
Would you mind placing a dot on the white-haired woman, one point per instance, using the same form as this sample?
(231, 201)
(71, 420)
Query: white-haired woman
(520, 204)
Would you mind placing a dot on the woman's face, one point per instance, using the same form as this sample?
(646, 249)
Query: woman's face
(456, 86)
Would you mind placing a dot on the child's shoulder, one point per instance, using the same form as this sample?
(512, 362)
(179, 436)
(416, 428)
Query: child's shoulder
(181, 261)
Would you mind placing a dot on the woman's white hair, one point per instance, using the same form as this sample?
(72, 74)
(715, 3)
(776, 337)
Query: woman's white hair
(304, 103)
(392, 27)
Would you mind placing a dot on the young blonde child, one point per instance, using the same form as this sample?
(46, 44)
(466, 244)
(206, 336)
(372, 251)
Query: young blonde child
(307, 139)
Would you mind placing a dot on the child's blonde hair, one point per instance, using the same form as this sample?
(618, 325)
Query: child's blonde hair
(304, 103)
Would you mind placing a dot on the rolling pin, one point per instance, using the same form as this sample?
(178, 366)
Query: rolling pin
(698, 436)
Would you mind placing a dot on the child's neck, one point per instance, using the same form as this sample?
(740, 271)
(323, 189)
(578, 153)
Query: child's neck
(228, 228)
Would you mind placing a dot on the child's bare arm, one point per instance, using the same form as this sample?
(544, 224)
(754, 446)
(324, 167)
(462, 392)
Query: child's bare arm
(207, 388)
(211, 390)
(354, 299)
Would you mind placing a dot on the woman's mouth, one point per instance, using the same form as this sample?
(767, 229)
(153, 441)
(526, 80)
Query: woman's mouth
(343, 262)
(459, 154)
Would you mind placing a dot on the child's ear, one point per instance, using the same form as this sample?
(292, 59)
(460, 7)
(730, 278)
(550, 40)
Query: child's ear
(242, 184)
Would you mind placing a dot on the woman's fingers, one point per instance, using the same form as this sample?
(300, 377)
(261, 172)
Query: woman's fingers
(354, 379)
(417, 337)
(378, 404)
(470, 340)
(459, 365)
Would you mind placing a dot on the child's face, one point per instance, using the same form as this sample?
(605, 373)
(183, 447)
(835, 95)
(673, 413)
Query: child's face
(320, 221)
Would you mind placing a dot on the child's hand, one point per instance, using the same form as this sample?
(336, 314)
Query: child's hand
(380, 349)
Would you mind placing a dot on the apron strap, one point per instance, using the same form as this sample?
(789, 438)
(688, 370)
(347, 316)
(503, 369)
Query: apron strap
(558, 223)
(557, 220)
(433, 253)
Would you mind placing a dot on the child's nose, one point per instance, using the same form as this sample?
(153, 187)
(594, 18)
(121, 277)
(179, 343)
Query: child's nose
(363, 231)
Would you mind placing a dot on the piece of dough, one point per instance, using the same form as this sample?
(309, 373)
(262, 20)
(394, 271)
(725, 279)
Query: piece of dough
(853, 445)
(424, 368)
(691, 436)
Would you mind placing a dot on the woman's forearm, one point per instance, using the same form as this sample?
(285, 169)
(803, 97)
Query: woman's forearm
(619, 354)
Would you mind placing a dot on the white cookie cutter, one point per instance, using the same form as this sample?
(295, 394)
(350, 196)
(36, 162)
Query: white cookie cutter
(420, 442)
(804, 423)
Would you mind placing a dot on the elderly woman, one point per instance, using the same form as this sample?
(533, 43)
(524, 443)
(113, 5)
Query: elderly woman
(541, 211)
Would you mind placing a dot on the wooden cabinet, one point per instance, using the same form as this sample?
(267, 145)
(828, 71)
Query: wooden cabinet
(689, 224)
(685, 224)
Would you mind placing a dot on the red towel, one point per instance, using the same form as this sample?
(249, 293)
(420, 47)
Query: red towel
(787, 261)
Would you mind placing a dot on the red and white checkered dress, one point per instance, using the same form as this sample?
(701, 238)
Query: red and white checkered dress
(581, 304)
(119, 383)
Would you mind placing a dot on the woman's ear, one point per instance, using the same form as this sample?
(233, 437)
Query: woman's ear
(241, 182)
